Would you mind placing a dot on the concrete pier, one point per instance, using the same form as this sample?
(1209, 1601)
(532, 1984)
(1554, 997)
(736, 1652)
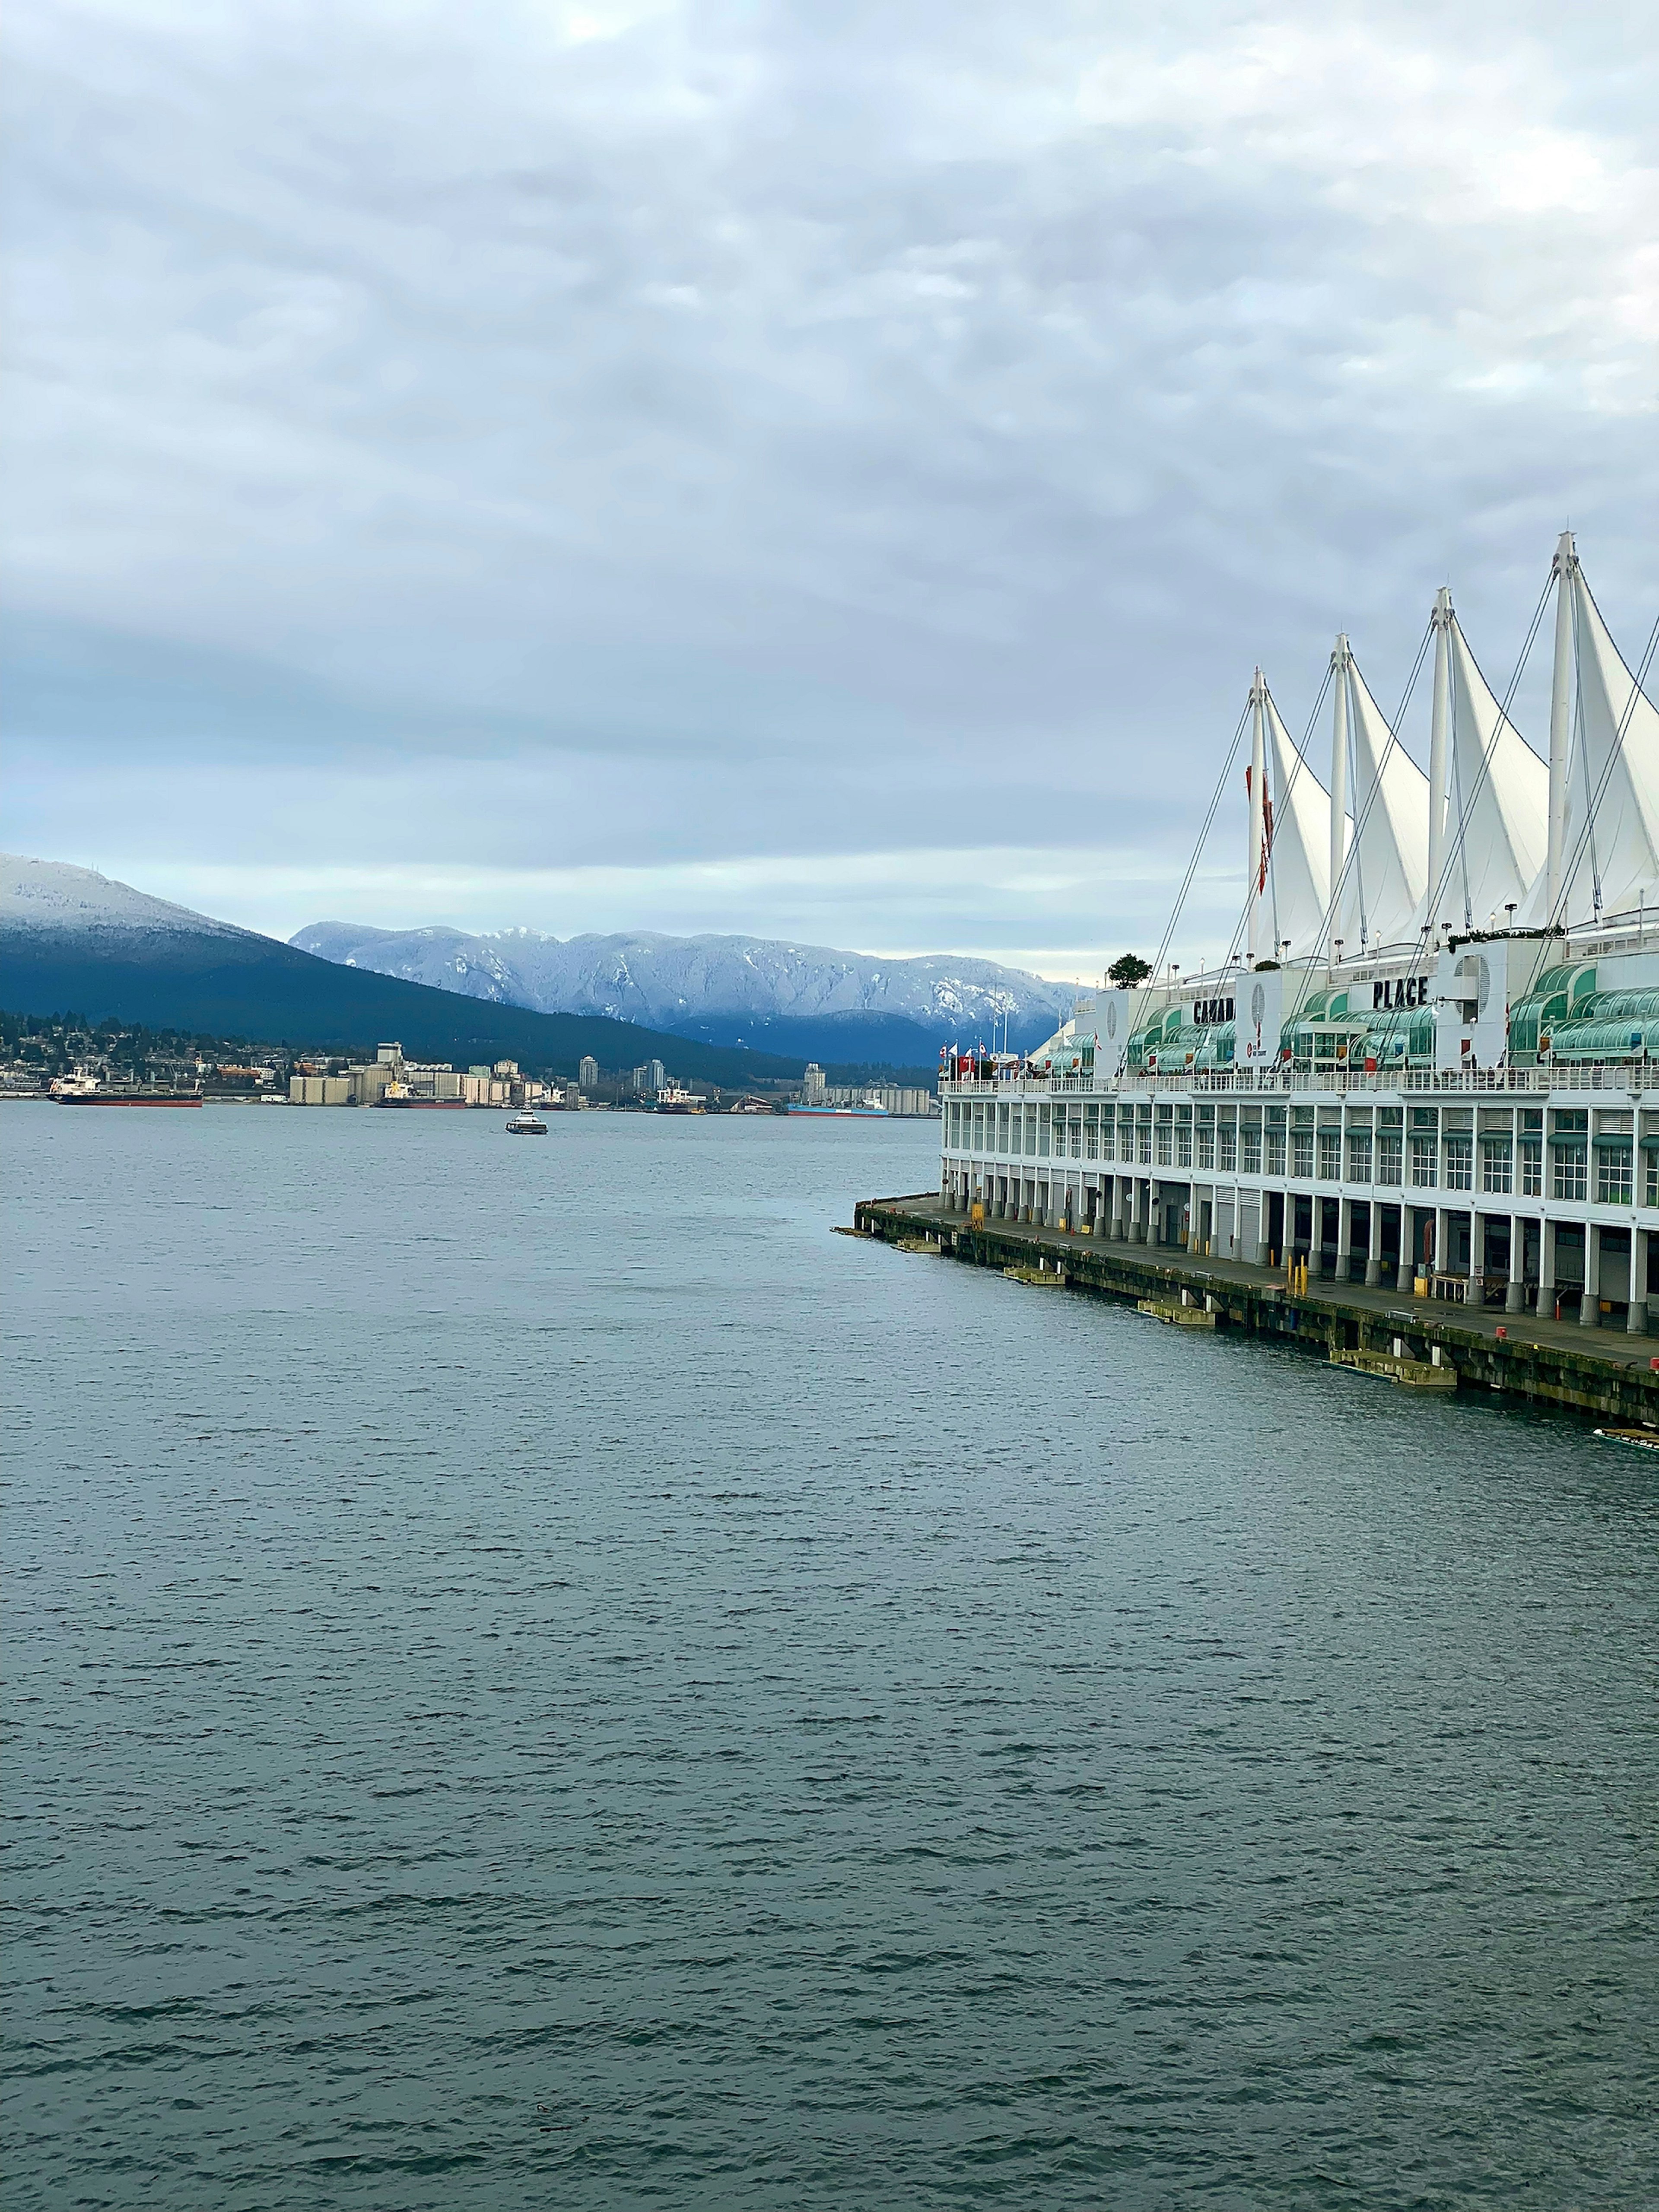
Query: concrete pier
(1596, 1371)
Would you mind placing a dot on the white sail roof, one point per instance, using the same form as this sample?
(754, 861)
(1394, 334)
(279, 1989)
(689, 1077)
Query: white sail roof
(1612, 836)
(1387, 869)
(1498, 813)
(1298, 859)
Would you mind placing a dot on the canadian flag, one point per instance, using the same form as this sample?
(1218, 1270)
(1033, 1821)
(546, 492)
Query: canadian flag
(1267, 827)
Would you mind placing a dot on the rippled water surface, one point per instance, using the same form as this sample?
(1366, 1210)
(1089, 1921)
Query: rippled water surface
(540, 1676)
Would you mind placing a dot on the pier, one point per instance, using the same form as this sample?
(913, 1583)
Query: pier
(1378, 1334)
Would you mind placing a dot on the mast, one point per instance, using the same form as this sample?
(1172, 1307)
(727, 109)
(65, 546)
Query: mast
(1560, 721)
(1339, 772)
(1258, 796)
(1440, 724)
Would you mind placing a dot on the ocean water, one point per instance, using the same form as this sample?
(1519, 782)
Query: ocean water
(538, 1676)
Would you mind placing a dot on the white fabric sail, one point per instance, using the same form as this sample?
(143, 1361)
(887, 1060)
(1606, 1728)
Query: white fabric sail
(1611, 843)
(1298, 857)
(1498, 813)
(1387, 865)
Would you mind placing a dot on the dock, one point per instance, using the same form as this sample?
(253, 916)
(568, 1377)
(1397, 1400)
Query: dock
(1380, 1334)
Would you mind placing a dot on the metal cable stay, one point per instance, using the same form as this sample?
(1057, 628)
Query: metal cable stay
(1586, 836)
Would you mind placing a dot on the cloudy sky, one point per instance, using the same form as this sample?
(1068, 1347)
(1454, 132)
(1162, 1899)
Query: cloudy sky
(824, 470)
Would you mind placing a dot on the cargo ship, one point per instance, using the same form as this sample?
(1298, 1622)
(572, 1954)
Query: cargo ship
(83, 1091)
(673, 1100)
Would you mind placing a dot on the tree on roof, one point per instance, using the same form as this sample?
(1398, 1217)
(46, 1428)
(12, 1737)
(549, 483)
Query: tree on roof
(1127, 970)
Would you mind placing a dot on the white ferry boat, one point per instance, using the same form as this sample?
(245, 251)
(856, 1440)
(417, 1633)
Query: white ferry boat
(1428, 1061)
(869, 1108)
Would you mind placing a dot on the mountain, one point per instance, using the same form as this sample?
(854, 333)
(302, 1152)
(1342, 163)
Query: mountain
(803, 1000)
(73, 941)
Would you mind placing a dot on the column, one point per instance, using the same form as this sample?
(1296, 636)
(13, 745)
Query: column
(1514, 1291)
(1477, 1245)
(1120, 1208)
(1343, 1239)
(1373, 1245)
(1637, 1322)
(1143, 1207)
(1441, 1240)
(1590, 1304)
(1545, 1269)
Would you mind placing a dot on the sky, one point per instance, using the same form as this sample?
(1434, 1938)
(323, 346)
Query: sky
(822, 472)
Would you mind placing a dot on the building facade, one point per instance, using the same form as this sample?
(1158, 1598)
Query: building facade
(1431, 1066)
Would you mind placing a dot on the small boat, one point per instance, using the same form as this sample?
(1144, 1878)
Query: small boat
(525, 1125)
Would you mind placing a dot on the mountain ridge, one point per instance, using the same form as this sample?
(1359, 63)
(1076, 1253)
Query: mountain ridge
(724, 988)
(72, 940)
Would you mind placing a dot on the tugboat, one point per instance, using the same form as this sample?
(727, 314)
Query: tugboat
(525, 1125)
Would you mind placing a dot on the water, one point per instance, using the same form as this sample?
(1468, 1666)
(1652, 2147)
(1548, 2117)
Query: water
(542, 1676)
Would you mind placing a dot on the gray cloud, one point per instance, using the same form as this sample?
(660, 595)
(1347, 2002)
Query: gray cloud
(477, 448)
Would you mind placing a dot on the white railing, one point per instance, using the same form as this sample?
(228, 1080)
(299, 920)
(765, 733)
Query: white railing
(1593, 1075)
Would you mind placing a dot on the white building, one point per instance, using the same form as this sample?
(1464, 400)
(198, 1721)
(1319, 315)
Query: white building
(1429, 1061)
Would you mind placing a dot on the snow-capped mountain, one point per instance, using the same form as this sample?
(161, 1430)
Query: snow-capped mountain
(730, 990)
(56, 897)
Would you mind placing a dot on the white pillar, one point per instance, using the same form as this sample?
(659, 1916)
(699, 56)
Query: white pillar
(1258, 792)
(1590, 1303)
(1545, 1269)
(1439, 732)
(1338, 778)
(1373, 1245)
(1561, 701)
(1515, 1294)
(1344, 1238)
(1637, 1320)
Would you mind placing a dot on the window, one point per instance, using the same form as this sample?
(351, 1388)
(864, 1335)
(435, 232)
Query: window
(1532, 1168)
(1183, 1144)
(1359, 1156)
(1302, 1155)
(1460, 1163)
(1249, 1150)
(1275, 1152)
(1330, 1156)
(1207, 1148)
(1144, 1144)
(1388, 1150)
(1424, 1172)
(1090, 1134)
(1109, 1136)
(1613, 1176)
(1043, 1113)
(1165, 1154)
(1074, 1130)
(1497, 1163)
(1571, 1178)
(1226, 1148)
(1651, 1177)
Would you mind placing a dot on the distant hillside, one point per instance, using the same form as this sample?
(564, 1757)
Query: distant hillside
(73, 941)
(809, 1001)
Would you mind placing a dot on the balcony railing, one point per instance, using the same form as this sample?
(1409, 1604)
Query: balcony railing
(1635, 1075)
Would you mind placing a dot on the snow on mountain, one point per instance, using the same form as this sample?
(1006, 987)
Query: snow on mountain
(51, 895)
(678, 982)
